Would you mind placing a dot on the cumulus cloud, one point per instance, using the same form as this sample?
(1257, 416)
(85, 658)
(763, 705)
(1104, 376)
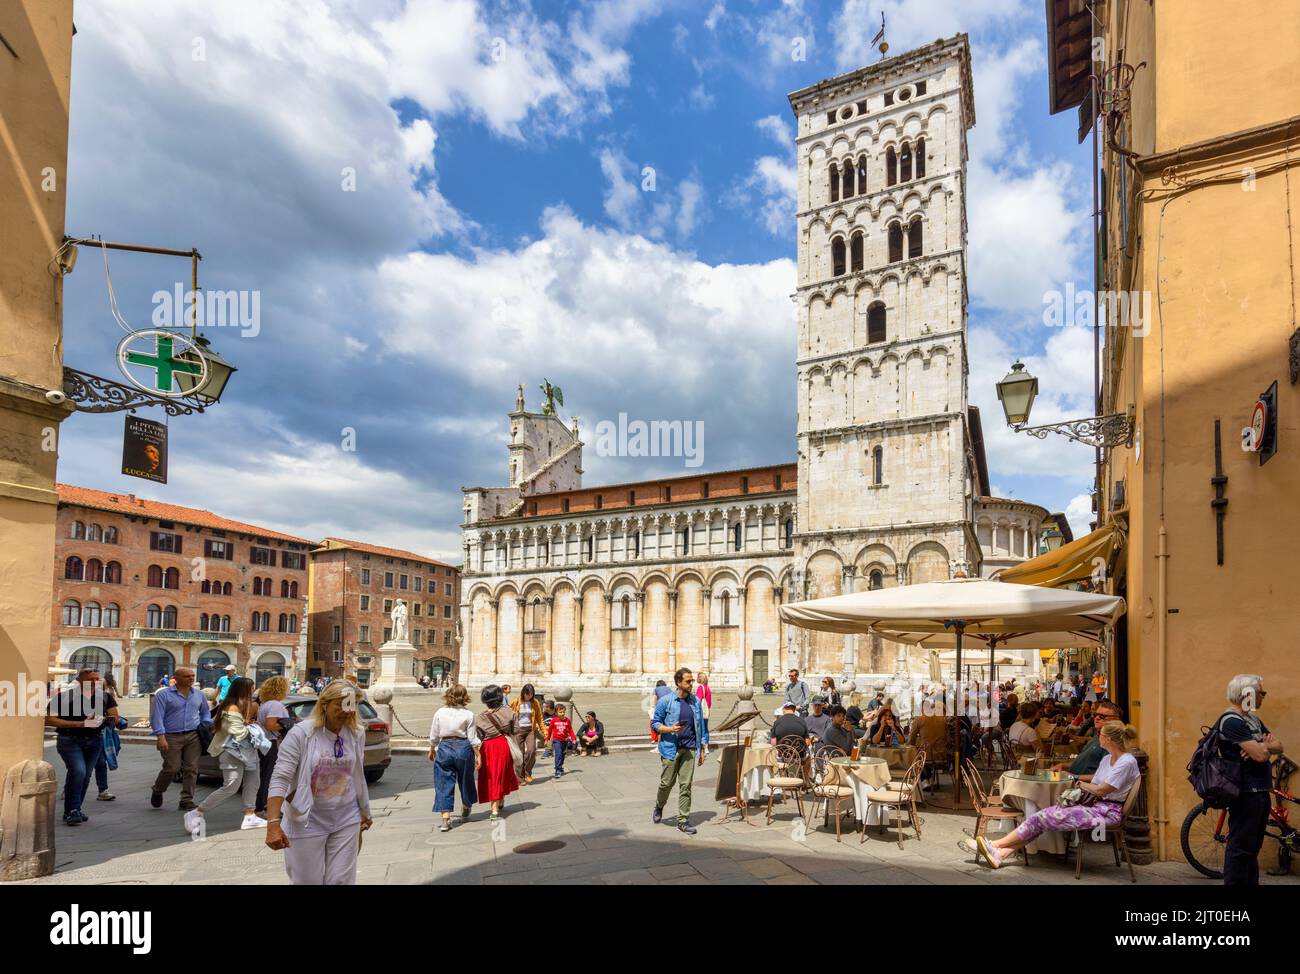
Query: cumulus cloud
(642, 199)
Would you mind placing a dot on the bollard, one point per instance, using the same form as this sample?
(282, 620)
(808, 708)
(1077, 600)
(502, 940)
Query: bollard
(27, 821)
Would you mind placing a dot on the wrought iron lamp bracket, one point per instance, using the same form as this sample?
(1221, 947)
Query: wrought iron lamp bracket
(1106, 432)
(95, 394)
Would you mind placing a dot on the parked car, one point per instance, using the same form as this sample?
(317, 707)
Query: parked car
(378, 756)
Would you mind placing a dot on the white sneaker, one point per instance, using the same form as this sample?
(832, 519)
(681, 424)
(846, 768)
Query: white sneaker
(253, 822)
(193, 821)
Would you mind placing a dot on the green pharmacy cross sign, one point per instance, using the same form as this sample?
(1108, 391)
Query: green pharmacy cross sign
(187, 367)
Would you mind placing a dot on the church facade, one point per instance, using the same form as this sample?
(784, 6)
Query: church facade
(619, 585)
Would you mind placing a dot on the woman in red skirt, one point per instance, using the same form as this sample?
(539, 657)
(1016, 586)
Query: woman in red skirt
(496, 771)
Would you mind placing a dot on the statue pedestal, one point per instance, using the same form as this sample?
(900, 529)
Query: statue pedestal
(396, 659)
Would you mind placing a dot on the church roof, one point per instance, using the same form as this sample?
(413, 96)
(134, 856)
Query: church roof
(336, 544)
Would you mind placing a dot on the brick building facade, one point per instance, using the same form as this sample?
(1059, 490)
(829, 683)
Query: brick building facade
(142, 587)
(353, 587)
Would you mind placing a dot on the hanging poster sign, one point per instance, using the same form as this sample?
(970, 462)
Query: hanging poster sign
(144, 449)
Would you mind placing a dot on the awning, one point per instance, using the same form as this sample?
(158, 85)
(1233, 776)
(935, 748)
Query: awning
(1093, 554)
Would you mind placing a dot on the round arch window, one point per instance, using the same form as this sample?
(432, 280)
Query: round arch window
(212, 666)
(268, 665)
(846, 113)
(152, 666)
(904, 93)
(91, 658)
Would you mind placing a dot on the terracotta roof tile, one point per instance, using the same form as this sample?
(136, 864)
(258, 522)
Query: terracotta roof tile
(120, 503)
(374, 549)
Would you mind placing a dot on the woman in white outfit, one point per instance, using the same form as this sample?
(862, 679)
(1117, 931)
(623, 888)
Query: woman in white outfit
(319, 804)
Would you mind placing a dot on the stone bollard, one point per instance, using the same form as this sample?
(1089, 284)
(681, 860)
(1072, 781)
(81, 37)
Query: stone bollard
(27, 821)
(383, 696)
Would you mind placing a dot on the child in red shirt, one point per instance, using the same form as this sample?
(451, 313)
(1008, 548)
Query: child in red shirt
(559, 734)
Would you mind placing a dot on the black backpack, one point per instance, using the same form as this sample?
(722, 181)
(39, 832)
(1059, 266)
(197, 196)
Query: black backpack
(1215, 778)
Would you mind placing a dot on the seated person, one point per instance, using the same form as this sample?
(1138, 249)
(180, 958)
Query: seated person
(930, 731)
(591, 735)
(1090, 757)
(819, 719)
(854, 715)
(888, 731)
(790, 729)
(838, 734)
(1022, 733)
(1082, 720)
(1110, 784)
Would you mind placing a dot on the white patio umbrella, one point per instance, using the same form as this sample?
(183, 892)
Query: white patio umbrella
(960, 608)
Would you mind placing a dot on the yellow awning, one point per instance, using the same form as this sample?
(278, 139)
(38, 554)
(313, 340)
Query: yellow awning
(1092, 555)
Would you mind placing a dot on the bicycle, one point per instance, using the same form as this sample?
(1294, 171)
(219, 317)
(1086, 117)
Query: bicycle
(1204, 834)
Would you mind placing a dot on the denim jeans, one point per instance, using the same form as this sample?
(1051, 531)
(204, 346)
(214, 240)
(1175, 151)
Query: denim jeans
(559, 747)
(454, 765)
(80, 755)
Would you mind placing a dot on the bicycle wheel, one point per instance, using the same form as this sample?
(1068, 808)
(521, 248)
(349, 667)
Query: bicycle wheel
(1204, 840)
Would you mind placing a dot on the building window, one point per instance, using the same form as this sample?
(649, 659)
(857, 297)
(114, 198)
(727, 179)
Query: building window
(855, 251)
(388, 579)
(446, 612)
(737, 536)
(388, 634)
(835, 182)
(112, 616)
(846, 179)
(72, 613)
(169, 617)
(172, 578)
(862, 174)
(891, 165)
(223, 550)
(388, 606)
(365, 603)
(789, 532)
(920, 157)
(905, 163)
(777, 483)
(338, 634)
(155, 576)
(726, 608)
(153, 617)
(914, 238)
(403, 582)
(261, 556)
(110, 535)
(365, 576)
(363, 634)
(876, 330)
(447, 587)
(73, 568)
(94, 533)
(164, 541)
(90, 615)
(878, 466)
(895, 242)
(564, 506)
(446, 637)
(418, 581)
(686, 540)
(626, 608)
(94, 570)
(631, 498)
(876, 580)
(293, 559)
(78, 531)
(590, 548)
(837, 256)
(636, 545)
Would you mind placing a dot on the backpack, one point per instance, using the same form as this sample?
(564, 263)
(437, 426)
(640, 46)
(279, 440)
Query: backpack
(1215, 778)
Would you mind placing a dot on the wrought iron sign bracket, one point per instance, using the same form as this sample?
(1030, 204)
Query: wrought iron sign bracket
(1106, 432)
(95, 394)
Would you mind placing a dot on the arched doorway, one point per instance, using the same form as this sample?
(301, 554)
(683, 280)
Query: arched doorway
(268, 665)
(92, 658)
(438, 667)
(151, 666)
(211, 667)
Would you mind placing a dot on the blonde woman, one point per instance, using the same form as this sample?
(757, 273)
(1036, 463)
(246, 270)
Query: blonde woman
(529, 728)
(321, 772)
(1108, 787)
(273, 715)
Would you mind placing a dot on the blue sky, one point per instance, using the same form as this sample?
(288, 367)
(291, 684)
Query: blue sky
(499, 233)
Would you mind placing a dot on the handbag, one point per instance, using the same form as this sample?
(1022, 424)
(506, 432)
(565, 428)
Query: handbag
(1076, 798)
(516, 752)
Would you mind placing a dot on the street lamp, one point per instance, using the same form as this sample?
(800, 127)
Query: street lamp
(1019, 389)
(1052, 539)
(219, 373)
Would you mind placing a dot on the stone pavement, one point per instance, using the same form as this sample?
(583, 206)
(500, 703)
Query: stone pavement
(600, 812)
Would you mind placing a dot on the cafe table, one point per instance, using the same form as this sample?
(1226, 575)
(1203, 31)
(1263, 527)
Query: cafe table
(756, 766)
(863, 775)
(1031, 792)
(897, 758)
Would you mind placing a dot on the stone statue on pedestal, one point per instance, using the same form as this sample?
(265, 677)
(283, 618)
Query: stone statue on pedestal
(399, 622)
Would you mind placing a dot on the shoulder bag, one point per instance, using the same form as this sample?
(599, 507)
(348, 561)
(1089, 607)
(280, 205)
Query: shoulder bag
(516, 752)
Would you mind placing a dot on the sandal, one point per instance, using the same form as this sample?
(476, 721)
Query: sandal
(445, 826)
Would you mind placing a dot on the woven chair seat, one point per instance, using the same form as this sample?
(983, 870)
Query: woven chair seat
(833, 791)
(886, 796)
(775, 782)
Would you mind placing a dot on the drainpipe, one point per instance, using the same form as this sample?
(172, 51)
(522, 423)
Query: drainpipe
(1162, 617)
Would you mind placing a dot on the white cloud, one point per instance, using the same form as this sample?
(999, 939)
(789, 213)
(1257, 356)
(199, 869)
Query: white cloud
(782, 31)
(648, 203)
(1079, 513)
(601, 306)
(778, 129)
(770, 189)
(912, 23)
(716, 13)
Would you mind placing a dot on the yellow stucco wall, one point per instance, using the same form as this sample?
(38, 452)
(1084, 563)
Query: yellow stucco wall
(1216, 262)
(34, 89)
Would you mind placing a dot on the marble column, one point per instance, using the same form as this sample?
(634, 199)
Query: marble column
(609, 635)
(520, 606)
(640, 632)
(672, 630)
(746, 678)
(549, 602)
(706, 594)
(849, 658)
(496, 638)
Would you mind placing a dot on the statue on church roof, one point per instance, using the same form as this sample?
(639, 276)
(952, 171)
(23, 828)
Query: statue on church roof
(552, 395)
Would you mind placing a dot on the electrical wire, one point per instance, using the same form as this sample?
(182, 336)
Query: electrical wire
(112, 294)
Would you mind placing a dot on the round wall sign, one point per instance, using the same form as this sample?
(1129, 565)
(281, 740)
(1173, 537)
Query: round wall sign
(1257, 423)
(176, 361)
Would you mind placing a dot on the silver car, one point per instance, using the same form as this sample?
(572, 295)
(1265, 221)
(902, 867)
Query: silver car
(378, 755)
